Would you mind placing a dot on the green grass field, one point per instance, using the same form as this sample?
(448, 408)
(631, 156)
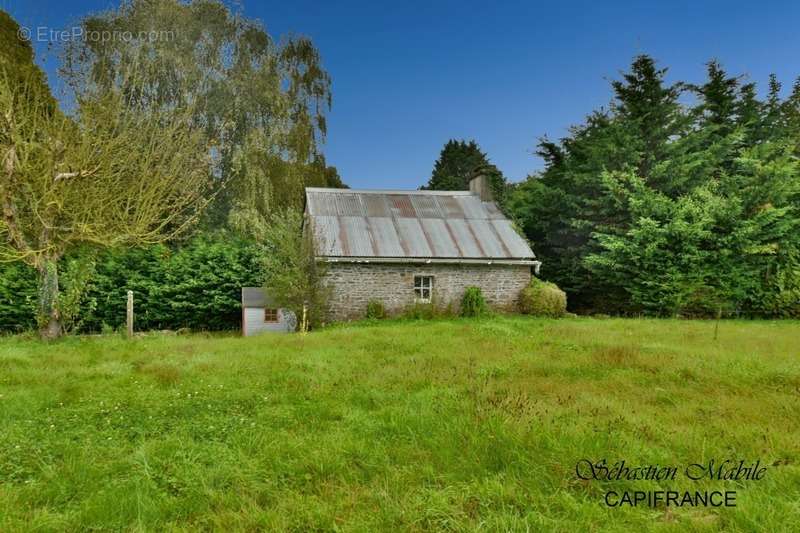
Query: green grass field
(421, 426)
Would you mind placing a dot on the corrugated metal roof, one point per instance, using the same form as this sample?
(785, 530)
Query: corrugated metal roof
(449, 207)
(437, 225)
(439, 237)
(358, 237)
(473, 207)
(516, 245)
(464, 238)
(386, 238)
(400, 206)
(425, 206)
(348, 205)
(413, 238)
(375, 205)
(487, 238)
(326, 236)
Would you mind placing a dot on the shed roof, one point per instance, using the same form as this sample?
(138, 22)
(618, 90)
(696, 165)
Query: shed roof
(444, 226)
(256, 297)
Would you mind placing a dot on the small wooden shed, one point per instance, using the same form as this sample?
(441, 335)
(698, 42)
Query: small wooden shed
(260, 314)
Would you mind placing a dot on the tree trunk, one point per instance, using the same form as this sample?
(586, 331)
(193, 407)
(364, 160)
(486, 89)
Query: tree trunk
(49, 313)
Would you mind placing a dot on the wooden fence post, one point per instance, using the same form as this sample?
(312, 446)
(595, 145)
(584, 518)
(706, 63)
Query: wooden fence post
(129, 320)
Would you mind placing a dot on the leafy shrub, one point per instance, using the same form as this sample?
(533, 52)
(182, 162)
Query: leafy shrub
(19, 293)
(472, 303)
(76, 278)
(295, 279)
(18, 297)
(543, 298)
(196, 286)
(376, 310)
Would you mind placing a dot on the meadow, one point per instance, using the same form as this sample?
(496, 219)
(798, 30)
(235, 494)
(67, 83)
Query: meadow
(450, 425)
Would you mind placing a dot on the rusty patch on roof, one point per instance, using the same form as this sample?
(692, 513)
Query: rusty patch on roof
(343, 239)
(449, 207)
(400, 205)
(425, 206)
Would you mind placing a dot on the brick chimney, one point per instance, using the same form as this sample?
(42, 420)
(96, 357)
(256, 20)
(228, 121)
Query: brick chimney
(479, 185)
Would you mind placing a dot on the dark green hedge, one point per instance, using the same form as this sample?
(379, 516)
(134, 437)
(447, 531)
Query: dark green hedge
(194, 286)
(17, 297)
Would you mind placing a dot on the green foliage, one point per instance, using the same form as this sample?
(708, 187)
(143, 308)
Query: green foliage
(196, 286)
(473, 303)
(294, 277)
(543, 298)
(439, 426)
(202, 286)
(73, 302)
(428, 310)
(657, 208)
(376, 310)
(18, 297)
(16, 62)
(259, 100)
(458, 163)
(108, 175)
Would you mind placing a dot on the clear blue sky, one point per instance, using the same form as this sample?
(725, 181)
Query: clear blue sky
(408, 76)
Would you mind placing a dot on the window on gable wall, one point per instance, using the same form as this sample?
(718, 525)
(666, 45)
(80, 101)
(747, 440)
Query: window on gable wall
(270, 315)
(423, 288)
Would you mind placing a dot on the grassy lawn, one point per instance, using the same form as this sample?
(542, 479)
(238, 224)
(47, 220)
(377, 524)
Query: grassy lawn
(448, 425)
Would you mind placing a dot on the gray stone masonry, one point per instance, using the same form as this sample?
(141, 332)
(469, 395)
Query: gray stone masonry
(353, 285)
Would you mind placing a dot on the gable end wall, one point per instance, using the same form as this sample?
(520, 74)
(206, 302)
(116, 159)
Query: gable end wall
(353, 285)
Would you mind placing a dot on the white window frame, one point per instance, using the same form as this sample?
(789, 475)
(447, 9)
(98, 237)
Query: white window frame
(423, 288)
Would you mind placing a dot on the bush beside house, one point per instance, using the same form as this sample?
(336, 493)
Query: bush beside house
(472, 303)
(542, 298)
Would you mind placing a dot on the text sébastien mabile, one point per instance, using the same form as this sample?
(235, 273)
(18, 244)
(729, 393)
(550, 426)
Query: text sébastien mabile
(712, 470)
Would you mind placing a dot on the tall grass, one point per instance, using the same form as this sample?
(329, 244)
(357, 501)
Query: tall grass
(420, 426)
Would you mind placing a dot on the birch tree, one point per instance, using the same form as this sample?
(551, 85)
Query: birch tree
(106, 176)
(260, 101)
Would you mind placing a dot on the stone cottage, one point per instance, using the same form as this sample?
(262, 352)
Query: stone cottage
(402, 247)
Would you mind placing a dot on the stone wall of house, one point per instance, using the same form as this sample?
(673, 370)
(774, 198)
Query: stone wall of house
(353, 285)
